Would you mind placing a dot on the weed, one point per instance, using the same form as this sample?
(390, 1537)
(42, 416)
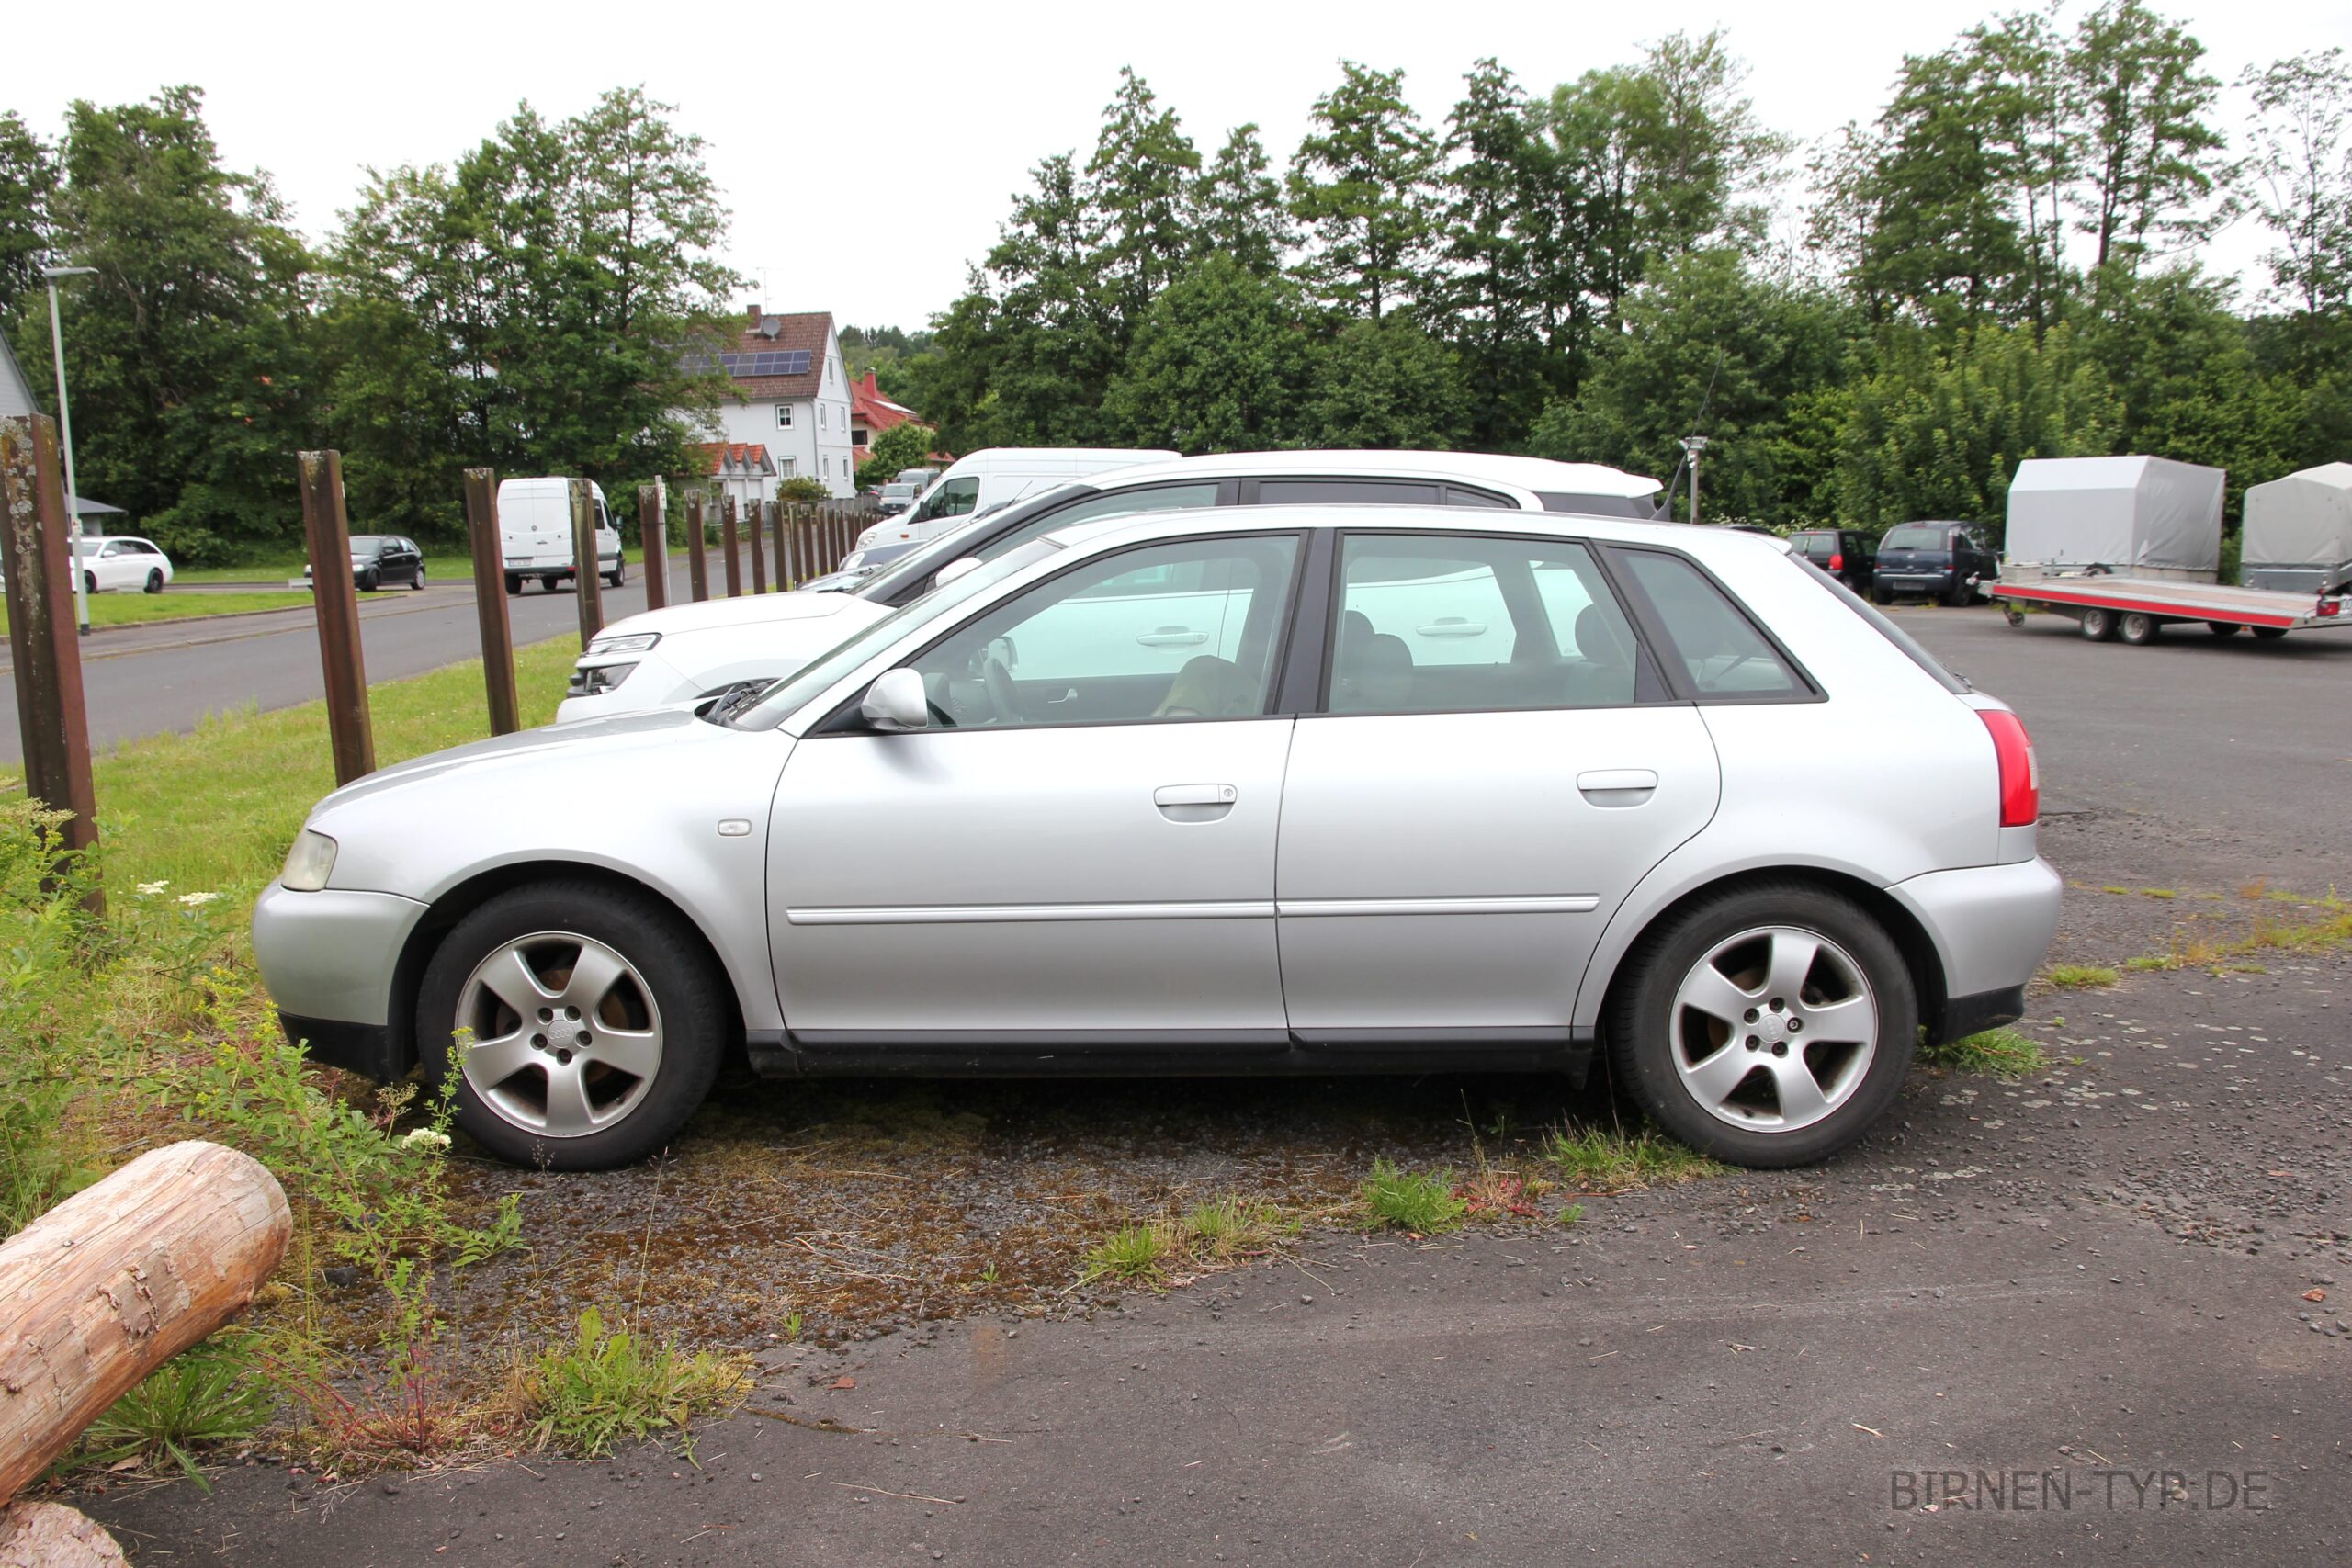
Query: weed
(792, 1328)
(1595, 1160)
(1569, 1215)
(596, 1390)
(1422, 1203)
(2116, 890)
(212, 1393)
(1491, 1194)
(1996, 1053)
(2159, 893)
(1135, 1252)
(1220, 1230)
(2148, 962)
(2074, 977)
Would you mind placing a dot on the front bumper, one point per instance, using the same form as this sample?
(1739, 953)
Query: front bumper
(328, 960)
(650, 683)
(1991, 926)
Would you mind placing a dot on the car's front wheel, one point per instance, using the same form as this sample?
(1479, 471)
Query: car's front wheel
(1767, 1025)
(371, 580)
(154, 579)
(417, 582)
(592, 1025)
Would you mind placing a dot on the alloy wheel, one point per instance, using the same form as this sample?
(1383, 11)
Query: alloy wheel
(1774, 1028)
(566, 1035)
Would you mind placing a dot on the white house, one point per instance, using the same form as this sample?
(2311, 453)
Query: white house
(791, 396)
(15, 392)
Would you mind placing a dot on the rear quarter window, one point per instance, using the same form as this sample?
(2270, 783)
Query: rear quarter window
(1722, 655)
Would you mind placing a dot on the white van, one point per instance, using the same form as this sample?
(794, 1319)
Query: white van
(990, 478)
(534, 533)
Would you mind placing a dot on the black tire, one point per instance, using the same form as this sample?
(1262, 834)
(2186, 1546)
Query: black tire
(618, 576)
(2139, 628)
(2098, 625)
(1958, 592)
(2269, 634)
(1881, 594)
(154, 579)
(371, 580)
(513, 584)
(417, 582)
(686, 989)
(1643, 1028)
(89, 583)
(2224, 629)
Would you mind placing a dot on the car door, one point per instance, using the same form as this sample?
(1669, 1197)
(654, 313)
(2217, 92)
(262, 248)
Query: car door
(1456, 831)
(1079, 849)
(116, 567)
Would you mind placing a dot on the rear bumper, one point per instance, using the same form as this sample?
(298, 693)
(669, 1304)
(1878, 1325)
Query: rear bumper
(1991, 926)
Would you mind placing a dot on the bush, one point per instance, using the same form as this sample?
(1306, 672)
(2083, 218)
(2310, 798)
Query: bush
(802, 490)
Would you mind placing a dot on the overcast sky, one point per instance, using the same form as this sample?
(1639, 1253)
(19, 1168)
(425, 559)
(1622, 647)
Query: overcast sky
(868, 151)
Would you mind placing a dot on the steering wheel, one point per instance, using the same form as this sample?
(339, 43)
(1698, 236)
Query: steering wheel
(998, 679)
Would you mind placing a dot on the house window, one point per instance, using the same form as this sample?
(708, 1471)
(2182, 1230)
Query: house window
(791, 466)
(783, 416)
(821, 415)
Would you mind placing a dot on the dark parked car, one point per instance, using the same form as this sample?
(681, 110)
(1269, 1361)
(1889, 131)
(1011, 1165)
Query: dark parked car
(1841, 552)
(1934, 561)
(379, 558)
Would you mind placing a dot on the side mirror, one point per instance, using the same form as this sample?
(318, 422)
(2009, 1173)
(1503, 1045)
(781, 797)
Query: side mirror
(954, 570)
(896, 703)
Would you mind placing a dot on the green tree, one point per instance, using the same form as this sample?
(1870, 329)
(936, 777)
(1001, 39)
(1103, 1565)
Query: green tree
(1218, 364)
(187, 353)
(1706, 156)
(1383, 385)
(1708, 345)
(2298, 178)
(28, 186)
(1361, 185)
(1485, 302)
(1937, 430)
(901, 447)
(1139, 184)
(1940, 237)
(1238, 206)
(2150, 161)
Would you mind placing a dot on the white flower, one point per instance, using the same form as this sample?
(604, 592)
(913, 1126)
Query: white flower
(148, 889)
(198, 900)
(426, 1138)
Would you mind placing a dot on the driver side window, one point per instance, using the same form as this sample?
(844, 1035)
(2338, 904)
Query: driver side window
(952, 499)
(1173, 631)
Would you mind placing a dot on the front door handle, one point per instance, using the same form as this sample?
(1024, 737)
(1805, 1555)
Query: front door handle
(1194, 803)
(1617, 787)
(1173, 637)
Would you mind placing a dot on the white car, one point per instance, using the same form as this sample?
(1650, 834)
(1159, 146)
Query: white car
(120, 561)
(1217, 791)
(690, 651)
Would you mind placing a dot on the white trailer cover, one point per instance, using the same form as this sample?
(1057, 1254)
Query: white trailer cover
(2302, 520)
(2116, 512)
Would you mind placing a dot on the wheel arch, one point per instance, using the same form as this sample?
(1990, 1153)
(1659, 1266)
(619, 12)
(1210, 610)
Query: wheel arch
(1910, 938)
(456, 903)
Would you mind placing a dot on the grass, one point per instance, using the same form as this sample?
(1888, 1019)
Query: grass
(2267, 936)
(590, 1394)
(1594, 1159)
(1996, 1053)
(1135, 1253)
(208, 1395)
(2078, 977)
(140, 609)
(1422, 1202)
(2159, 893)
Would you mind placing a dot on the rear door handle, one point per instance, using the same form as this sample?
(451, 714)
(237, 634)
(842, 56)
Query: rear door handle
(1453, 628)
(1617, 787)
(1195, 794)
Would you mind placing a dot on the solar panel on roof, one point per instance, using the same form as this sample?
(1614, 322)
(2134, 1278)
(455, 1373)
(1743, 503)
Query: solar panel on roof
(773, 362)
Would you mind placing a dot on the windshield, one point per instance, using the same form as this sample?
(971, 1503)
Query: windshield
(962, 540)
(88, 546)
(367, 544)
(896, 491)
(787, 696)
(1913, 537)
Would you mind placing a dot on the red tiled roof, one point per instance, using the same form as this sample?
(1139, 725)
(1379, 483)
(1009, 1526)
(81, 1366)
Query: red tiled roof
(866, 402)
(765, 334)
(729, 458)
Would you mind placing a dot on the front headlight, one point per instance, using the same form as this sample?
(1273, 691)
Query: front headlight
(308, 863)
(636, 642)
(595, 680)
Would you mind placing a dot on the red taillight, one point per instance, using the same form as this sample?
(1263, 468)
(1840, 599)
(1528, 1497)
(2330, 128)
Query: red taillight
(2331, 606)
(2021, 775)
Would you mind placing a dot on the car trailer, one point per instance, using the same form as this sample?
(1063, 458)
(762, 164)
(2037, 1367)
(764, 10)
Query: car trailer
(2110, 607)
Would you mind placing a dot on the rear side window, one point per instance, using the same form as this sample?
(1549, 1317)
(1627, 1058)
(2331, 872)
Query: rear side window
(1644, 507)
(1381, 492)
(1721, 651)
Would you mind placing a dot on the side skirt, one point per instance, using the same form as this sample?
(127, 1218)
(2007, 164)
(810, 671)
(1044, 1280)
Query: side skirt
(1010, 1054)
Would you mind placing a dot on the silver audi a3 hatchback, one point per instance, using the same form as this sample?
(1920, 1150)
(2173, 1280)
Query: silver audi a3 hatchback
(1263, 790)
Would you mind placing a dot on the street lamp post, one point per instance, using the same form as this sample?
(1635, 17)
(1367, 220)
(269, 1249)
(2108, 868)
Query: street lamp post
(1694, 444)
(65, 427)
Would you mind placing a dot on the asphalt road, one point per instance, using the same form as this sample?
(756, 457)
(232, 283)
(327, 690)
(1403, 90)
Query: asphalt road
(2098, 1316)
(167, 676)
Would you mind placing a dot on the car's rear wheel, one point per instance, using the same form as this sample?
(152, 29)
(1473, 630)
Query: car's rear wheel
(513, 584)
(594, 1024)
(2098, 625)
(619, 574)
(1882, 594)
(1768, 1025)
(1958, 592)
(154, 579)
(417, 582)
(2138, 628)
(89, 583)
(371, 580)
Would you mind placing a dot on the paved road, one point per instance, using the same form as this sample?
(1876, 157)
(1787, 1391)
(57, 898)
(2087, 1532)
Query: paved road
(155, 679)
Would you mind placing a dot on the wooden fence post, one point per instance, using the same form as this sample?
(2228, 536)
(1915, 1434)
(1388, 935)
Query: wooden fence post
(42, 642)
(336, 600)
(490, 601)
(697, 557)
(656, 531)
(788, 525)
(727, 541)
(752, 517)
(584, 564)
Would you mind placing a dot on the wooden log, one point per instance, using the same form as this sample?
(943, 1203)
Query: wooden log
(118, 1279)
(51, 1534)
